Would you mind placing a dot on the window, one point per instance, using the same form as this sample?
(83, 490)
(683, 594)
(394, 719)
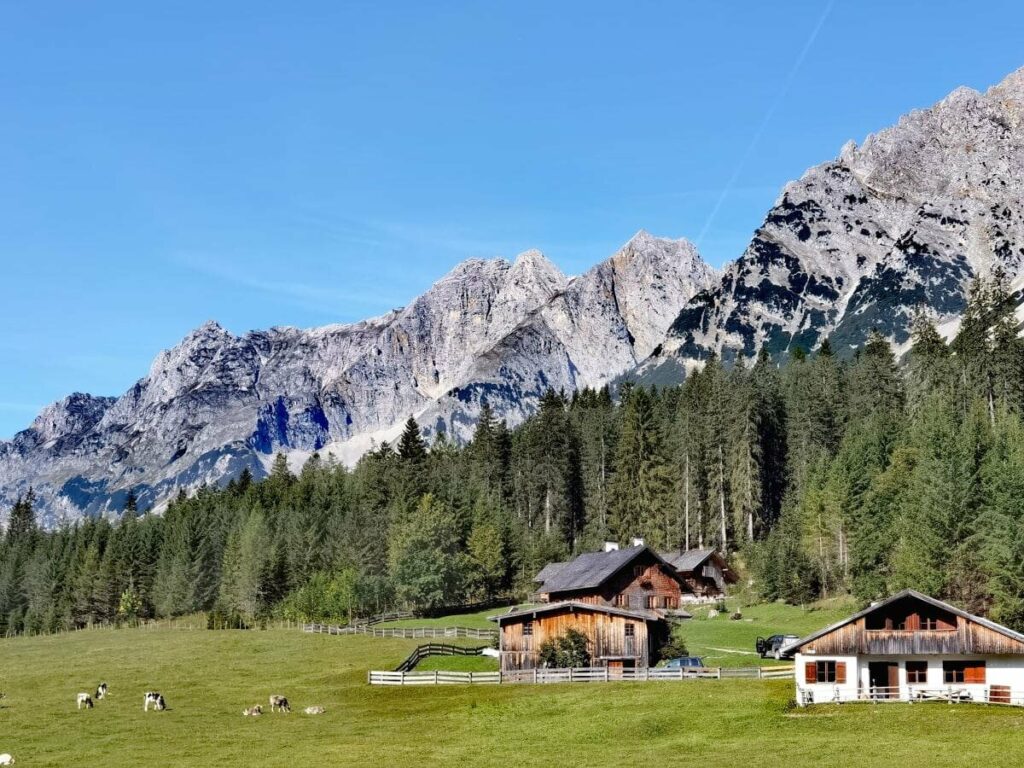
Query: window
(963, 672)
(929, 623)
(629, 645)
(630, 630)
(621, 601)
(825, 671)
(528, 636)
(638, 571)
(917, 672)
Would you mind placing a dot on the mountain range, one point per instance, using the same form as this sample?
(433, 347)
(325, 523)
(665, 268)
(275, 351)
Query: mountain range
(906, 219)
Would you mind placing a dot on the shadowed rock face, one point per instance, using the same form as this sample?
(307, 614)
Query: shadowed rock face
(907, 218)
(218, 403)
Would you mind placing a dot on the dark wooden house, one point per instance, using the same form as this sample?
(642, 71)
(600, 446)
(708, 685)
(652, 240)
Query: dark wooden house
(705, 571)
(635, 578)
(617, 638)
(907, 647)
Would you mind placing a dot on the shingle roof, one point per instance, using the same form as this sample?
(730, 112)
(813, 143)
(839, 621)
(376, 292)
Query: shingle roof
(689, 560)
(576, 605)
(898, 596)
(592, 569)
(548, 571)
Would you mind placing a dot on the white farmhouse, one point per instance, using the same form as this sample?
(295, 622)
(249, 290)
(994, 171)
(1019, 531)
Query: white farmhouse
(911, 647)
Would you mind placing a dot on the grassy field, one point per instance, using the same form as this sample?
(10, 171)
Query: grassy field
(476, 620)
(727, 643)
(209, 677)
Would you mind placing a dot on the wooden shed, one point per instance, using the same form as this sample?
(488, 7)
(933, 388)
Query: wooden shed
(705, 571)
(617, 638)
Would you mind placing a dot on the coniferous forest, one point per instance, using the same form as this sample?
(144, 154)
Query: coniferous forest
(835, 472)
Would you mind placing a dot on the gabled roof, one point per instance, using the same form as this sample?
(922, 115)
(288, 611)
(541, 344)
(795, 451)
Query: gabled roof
(999, 628)
(592, 569)
(575, 605)
(692, 559)
(548, 571)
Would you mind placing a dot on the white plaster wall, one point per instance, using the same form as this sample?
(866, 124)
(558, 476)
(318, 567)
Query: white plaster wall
(825, 692)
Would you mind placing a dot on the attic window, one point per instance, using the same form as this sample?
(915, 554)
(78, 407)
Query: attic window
(638, 571)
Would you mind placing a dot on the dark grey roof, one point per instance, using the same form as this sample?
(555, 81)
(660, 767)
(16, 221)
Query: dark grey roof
(689, 560)
(592, 569)
(576, 605)
(899, 596)
(548, 571)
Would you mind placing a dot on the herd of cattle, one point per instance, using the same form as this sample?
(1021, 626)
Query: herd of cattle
(278, 703)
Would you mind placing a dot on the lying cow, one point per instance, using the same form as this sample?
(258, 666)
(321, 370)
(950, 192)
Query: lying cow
(156, 699)
(84, 700)
(254, 711)
(314, 710)
(279, 703)
(6, 759)
(101, 691)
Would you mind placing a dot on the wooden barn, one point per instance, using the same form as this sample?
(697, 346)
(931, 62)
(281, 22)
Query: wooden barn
(705, 571)
(911, 647)
(635, 578)
(617, 638)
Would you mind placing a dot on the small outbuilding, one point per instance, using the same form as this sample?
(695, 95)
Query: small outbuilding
(705, 571)
(910, 647)
(617, 638)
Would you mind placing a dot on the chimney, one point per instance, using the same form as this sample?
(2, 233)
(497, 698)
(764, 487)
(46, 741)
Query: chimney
(611, 546)
(638, 541)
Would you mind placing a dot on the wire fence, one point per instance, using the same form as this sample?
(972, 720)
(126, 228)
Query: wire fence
(407, 632)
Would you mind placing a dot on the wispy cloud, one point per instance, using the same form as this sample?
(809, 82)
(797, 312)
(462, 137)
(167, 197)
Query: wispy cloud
(323, 298)
(756, 138)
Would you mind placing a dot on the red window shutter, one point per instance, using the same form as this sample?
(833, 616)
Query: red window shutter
(975, 672)
(840, 672)
(810, 672)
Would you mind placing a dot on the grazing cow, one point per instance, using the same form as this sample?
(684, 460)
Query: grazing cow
(156, 699)
(6, 759)
(314, 710)
(279, 703)
(101, 691)
(84, 700)
(254, 711)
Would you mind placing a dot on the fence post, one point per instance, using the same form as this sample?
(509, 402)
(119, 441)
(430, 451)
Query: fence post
(570, 674)
(759, 671)
(435, 677)
(535, 675)
(470, 678)
(719, 673)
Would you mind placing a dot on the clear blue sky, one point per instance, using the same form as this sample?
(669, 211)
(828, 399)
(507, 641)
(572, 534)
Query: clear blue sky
(306, 163)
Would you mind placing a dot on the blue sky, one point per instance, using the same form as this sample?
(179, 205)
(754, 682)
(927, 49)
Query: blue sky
(306, 163)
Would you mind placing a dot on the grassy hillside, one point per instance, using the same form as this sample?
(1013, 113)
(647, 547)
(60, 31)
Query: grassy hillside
(208, 677)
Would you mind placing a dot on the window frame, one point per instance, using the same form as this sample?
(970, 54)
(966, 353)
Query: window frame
(826, 677)
(527, 635)
(918, 674)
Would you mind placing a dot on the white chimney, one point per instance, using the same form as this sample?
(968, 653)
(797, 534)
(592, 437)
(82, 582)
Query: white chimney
(638, 541)
(611, 546)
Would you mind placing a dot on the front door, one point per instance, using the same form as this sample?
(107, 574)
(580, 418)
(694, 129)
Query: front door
(884, 679)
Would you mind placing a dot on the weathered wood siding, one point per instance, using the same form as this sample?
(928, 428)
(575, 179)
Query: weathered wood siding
(643, 584)
(606, 637)
(967, 638)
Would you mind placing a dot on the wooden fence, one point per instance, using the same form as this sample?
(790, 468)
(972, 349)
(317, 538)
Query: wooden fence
(407, 632)
(436, 649)
(583, 675)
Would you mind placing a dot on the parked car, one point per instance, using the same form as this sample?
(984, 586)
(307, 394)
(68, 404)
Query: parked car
(771, 647)
(685, 662)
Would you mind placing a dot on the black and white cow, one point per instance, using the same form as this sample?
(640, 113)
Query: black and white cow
(156, 699)
(101, 691)
(84, 700)
(278, 702)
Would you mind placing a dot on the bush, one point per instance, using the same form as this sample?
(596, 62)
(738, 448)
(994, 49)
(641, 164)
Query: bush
(569, 650)
(673, 649)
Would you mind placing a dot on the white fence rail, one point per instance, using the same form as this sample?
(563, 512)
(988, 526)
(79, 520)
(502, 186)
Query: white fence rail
(408, 632)
(951, 694)
(583, 675)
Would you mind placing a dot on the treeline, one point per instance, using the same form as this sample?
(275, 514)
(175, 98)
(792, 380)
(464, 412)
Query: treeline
(823, 476)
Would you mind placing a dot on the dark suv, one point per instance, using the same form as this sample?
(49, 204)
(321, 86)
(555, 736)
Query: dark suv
(771, 647)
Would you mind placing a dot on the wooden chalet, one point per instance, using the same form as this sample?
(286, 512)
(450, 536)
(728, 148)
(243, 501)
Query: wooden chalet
(910, 647)
(705, 571)
(617, 638)
(636, 578)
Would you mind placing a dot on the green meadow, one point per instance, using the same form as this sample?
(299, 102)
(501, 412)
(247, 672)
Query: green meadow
(209, 677)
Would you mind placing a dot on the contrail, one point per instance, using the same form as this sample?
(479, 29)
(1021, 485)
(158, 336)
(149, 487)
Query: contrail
(764, 122)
